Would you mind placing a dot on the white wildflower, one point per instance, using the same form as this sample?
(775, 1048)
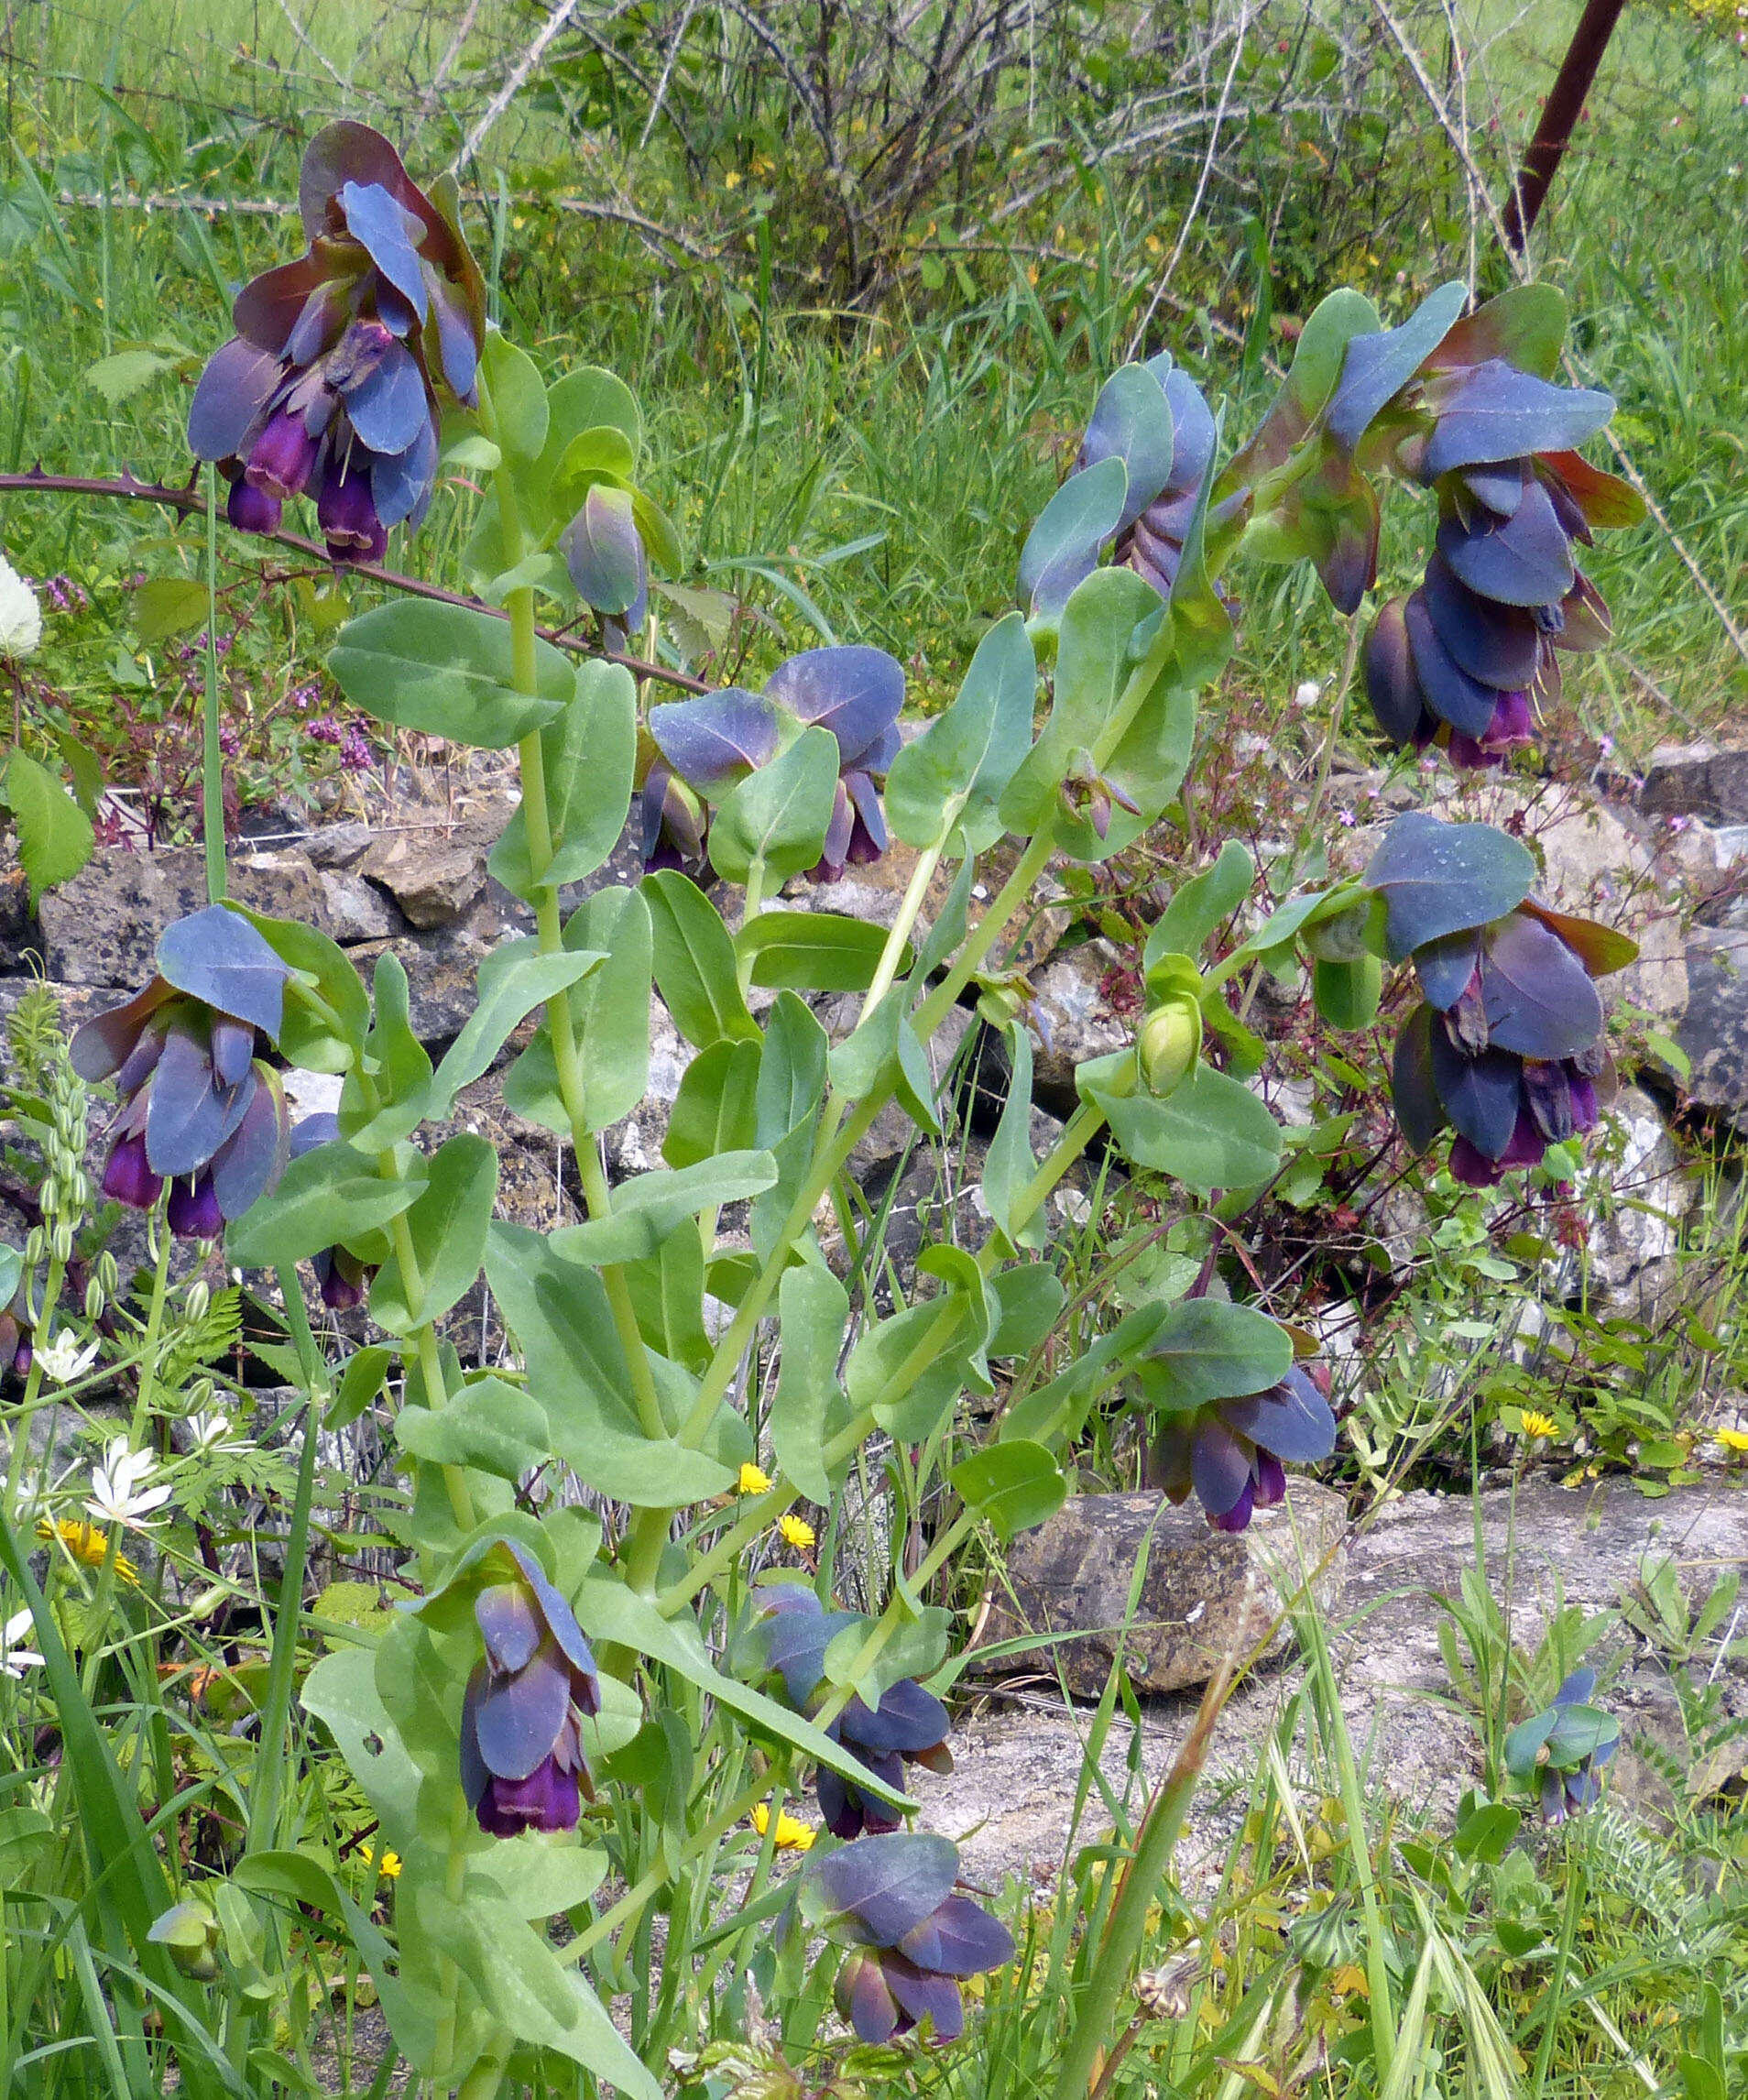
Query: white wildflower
(62, 1360)
(20, 615)
(212, 1433)
(118, 1490)
(13, 1660)
(1309, 693)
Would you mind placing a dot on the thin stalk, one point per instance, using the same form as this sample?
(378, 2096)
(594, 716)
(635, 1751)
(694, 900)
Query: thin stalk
(875, 1642)
(1356, 630)
(1574, 1892)
(753, 893)
(211, 758)
(276, 1713)
(32, 1392)
(1114, 1966)
(910, 907)
(1083, 1126)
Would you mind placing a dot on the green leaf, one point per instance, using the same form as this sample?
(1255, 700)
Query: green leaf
(813, 951)
(306, 1038)
(167, 606)
(517, 398)
(324, 1199)
(559, 1313)
(813, 1310)
(909, 1370)
(607, 1611)
(514, 979)
(650, 1205)
(448, 1226)
(1210, 1133)
(715, 1111)
(55, 837)
(1013, 1486)
(1010, 1163)
(498, 1428)
(587, 399)
(694, 962)
(1205, 1348)
(446, 671)
(535, 1877)
(1202, 904)
(527, 1990)
(587, 755)
(786, 1105)
(1094, 660)
(359, 1384)
(967, 755)
(779, 814)
(119, 377)
(609, 1022)
(1032, 1295)
(1348, 993)
(667, 1294)
(1065, 543)
(86, 769)
(397, 1059)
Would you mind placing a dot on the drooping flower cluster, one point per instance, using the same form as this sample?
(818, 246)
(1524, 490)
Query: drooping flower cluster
(1567, 1743)
(1464, 660)
(521, 1756)
(330, 388)
(1233, 1453)
(1151, 419)
(199, 1107)
(700, 750)
(789, 1644)
(910, 1940)
(1507, 1046)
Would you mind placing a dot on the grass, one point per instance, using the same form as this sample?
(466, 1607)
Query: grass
(868, 477)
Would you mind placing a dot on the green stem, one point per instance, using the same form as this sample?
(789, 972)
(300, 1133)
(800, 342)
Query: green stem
(276, 1713)
(211, 758)
(1109, 1975)
(753, 892)
(1083, 1126)
(424, 1339)
(27, 1408)
(910, 908)
(1575, 1890)
(874, 1644)
(137, 1427)
(1356, 630)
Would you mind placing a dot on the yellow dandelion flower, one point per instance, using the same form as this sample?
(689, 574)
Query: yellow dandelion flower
(792, 1834)
(754, 1479)
(389, 1864)
(796, 1532)
(1735, 1441)
(86, 1544)
(1530, 1424)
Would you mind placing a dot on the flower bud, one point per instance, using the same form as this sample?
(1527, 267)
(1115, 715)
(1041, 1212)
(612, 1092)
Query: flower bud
(35, 1247)
(94, 1301)
(1170, 1044)
(190, 1932)
(107, 1271)
(62, 1242)
(195, 1301)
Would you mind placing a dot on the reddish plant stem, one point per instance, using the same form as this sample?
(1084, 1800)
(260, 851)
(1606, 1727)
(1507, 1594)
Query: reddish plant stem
(126, 489)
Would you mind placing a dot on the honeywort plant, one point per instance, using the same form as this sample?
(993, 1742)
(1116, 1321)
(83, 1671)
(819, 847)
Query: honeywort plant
(587, 1684)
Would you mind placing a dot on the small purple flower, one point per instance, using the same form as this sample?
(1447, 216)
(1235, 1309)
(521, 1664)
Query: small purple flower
(911, 1939)
(521, 1754)
(1566, 1745)
(326, 731)
(331, 385)
(356, 754)
(198, 1109)
(230, 743)
(908, 1724)
(1231, 1451)
(708, 746)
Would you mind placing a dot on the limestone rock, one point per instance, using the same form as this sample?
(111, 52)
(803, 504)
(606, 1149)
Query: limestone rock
(440, 968)
(1072, 995)
(102, 927)
(1697, 780)
(436, 877)
(1714, 1028)
(1206, 1594)
(358, 909)
(1630, 1261)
